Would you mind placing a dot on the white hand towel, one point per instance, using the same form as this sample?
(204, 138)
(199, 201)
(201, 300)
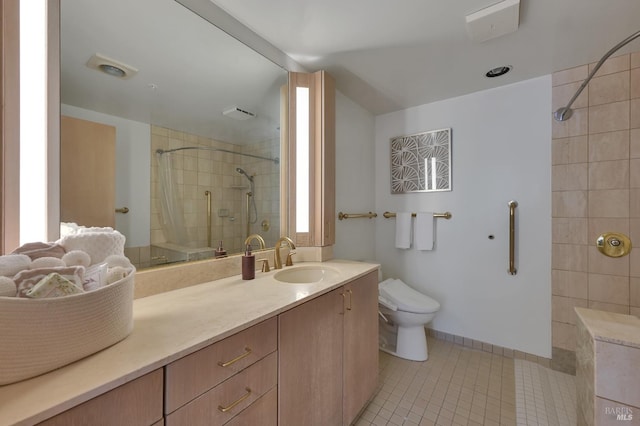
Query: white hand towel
(403, 230)
(423, 238)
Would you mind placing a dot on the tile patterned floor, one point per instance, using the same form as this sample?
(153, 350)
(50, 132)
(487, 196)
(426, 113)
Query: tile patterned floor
(544, 397)
(459, 385)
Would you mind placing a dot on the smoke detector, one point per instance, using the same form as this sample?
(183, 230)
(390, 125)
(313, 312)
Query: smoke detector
(494, 21)
(238, 113)
(111, 66)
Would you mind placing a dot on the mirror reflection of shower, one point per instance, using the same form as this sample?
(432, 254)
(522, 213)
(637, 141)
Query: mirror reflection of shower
(252, 211)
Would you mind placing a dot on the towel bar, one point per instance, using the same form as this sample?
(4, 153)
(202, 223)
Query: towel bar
(445, 215)
(369, 215)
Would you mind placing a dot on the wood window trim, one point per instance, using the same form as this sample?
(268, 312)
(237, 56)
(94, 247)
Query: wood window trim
(321, 162)
(10, 125)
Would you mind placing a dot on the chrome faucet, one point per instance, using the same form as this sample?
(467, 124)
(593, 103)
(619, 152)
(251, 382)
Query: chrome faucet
(256, 237)
(277, 260)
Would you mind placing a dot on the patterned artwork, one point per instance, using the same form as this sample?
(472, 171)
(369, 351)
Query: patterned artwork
(421, 162)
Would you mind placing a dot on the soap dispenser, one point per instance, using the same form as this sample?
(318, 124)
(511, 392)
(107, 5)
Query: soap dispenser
(248, 264)
(220, 252)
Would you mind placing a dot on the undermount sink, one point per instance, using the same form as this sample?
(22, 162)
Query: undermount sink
(305, 274)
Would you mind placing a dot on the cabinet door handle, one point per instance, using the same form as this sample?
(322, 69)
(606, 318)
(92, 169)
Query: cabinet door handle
(247, 352)
(350, 295)
(236, 402)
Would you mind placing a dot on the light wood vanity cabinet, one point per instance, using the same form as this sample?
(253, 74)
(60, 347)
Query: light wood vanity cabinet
(313, 365)
(138, 402)
(216, 383)
(328, 352)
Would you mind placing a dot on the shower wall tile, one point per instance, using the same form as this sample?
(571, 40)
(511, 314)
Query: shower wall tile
(598, 226)
(569, 257)
(569, 204)
(569, 283)
(634, 113)
(572, 150)
(634, 83)
(609, 307)
(612, 65)
(599, 264)
(634, 173)
(569, 230)
(634, 202)
(570, 75)
(609, 289)
(634, 291)
(576, 126)
(562, 309)
(609, 203)
(563, 335)
(609, 175)
(609, 146)
(635, 60)
(634, 143)
(569, 177)
(562, 94)
(609, 88)
(609, 117)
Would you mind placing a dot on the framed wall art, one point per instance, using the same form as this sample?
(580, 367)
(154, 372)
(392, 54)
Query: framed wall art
(421, 162)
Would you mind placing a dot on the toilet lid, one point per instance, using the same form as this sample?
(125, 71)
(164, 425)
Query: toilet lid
(406, 298)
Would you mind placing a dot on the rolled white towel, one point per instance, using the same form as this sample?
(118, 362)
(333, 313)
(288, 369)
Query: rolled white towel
(83, 230)
(11, 264)
(116, 274)
(98, 245)
(47, 262)
(118, 260)
(76, 258)
(7, 287)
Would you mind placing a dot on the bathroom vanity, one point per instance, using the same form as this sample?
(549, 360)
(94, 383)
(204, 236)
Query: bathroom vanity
(266, 351)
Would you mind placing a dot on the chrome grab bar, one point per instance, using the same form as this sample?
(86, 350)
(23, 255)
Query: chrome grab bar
(512, 237)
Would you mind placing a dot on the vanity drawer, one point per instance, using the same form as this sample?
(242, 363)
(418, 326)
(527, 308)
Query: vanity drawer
(138, 402)
(226, 401)
(193, 375)
(263, 412)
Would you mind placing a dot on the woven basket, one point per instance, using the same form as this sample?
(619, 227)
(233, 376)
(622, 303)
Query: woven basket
(40, 335)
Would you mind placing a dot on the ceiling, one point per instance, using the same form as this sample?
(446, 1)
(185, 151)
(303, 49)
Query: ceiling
(189, 71)
(390, 55)
(385, 55)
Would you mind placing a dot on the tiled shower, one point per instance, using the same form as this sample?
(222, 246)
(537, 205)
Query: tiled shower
(595, 189)
(198, 171)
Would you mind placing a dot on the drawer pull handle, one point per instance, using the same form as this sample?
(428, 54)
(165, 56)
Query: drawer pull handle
(238, 401)
(247, 352)
(350, 296)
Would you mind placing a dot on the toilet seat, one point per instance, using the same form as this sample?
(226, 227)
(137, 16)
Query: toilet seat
(406, 298)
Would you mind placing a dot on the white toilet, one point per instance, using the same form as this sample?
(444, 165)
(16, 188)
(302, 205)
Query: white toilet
(404, 314)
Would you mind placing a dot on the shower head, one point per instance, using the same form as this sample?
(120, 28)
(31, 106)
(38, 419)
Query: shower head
(242, 172)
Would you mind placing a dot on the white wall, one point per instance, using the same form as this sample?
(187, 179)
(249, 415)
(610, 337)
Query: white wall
(355, 193)
(133, 172)
(501, 142)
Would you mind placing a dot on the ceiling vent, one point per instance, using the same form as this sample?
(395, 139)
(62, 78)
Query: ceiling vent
(494, 21)
(111, 66)
(238, 113)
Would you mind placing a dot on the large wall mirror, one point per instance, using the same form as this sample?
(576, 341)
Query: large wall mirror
(196, 129)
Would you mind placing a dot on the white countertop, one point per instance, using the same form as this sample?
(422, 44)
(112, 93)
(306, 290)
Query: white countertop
(167, 326)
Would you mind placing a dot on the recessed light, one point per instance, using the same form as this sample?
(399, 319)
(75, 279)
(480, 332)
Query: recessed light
(112, 70)
(111, 67)
(498, 71)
